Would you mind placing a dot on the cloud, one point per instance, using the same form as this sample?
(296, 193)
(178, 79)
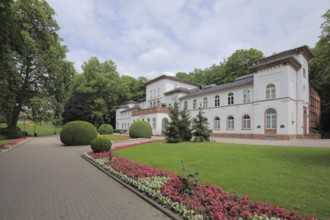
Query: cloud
(150, 37)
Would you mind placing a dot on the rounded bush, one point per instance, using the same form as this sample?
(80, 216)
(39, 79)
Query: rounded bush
(78, 133)
(101, 145)
(105, 129)
(140, 129)
(11, 133)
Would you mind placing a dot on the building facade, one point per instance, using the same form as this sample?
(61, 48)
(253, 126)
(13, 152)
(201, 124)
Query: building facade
(275, 101)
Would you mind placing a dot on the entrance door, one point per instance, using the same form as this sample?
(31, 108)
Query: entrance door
(270, 122)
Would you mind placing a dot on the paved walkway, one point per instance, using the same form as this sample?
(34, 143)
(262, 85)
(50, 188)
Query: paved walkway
(324, 143)
(41, 179)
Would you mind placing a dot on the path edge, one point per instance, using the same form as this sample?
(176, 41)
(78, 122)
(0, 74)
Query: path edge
(152, 202)
(14, 146)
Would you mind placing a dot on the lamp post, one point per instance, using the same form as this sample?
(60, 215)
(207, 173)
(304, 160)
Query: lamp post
(24, 115)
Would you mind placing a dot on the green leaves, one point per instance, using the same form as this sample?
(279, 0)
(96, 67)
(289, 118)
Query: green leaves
(34, 62)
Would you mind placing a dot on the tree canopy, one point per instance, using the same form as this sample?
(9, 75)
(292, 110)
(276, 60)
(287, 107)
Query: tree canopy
(99, 90)
(226, 71)
(320, 69)
(33, 58)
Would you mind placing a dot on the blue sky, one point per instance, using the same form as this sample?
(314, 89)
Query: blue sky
(153, 37)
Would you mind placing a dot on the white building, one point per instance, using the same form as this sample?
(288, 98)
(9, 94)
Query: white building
(271, 102)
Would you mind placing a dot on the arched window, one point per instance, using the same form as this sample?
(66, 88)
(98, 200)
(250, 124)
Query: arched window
(195, 104)
(246, 96)
(216, 123)
(217, 100)
(271, 119)
(185, 104)
(246, 122)
(270, 91)
(230, 98)
(230, 122)
(205, 102)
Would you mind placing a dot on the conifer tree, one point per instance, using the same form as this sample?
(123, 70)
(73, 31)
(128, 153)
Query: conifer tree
(184, 125)
(172, 132)
(200, 131)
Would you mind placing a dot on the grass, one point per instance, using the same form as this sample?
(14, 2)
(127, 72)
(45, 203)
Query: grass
(41, 129)
(114, 137)
(293, 177)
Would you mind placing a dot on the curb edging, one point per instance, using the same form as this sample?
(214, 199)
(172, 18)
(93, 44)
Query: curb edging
(14, 146)
(152, 202)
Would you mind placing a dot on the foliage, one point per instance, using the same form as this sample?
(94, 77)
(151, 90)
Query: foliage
(178, 128)
(78, 133)
(105, 129)
(188, 180)
(99, 90)
(184, 125)
(140, 129)
(207, 201)
(11, 132)
(200, 129)
(279, 175)
(33, 59)
(320, 70)
(226, 71)
(77, 108)
(100, 144)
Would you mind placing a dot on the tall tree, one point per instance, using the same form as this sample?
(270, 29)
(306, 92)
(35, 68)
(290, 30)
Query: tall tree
(172, 132)
(101, 83)
(200, 129)
(184, 125)
(320, 70)
(78, 107)
(226, 71)
(35, 65)
(238, 63)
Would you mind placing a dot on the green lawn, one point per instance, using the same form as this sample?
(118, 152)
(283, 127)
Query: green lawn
(293, 177)
(115, 137)
(41, 129)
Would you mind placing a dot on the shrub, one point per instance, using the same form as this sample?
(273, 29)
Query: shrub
(120, 131)
(78, 133)
(12, 133)
(99, 145)
(105, 129)
(140, 129)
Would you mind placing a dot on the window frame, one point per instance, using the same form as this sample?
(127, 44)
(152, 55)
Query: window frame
(217, 101)
(216, 123)
(230, 98)
(271, 119)
(246, 122)
(230, 122)
(246, 96)
(270, 91)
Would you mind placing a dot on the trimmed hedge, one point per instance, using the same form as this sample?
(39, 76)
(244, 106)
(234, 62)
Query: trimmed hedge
(105, 129)
(78, 133)
(140, 129)
(11, 133)
(101, 145)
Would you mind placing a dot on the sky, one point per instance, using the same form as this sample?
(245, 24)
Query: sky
(153, 37)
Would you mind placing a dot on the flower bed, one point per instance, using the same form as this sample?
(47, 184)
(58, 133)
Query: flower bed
(205, 202)
(6, 147)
